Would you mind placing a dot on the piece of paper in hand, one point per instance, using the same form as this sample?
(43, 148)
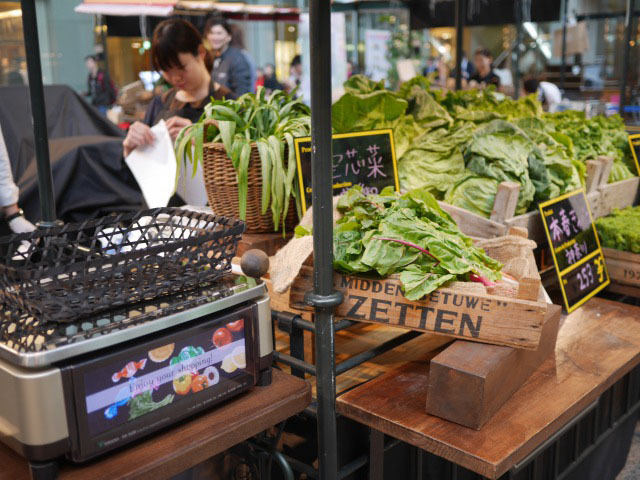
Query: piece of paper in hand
(154, 167)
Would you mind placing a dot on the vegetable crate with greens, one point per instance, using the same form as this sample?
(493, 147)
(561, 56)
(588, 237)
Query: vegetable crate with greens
(620, 239)
(462, 145)
(401, 260)
(246, 150)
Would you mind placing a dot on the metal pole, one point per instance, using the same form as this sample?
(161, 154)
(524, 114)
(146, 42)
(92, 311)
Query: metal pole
(460, 10)
(564, 43)
(628, 25)
(38, 113)
(323, 297)
(516, 70)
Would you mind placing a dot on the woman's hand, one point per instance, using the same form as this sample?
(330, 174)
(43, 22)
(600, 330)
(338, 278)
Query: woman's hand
(175, 124)
(139, 134)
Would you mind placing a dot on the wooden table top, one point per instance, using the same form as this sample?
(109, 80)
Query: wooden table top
(183, 446)
(597, 345)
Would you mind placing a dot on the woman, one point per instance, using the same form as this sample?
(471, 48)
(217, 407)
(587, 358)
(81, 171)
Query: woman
(179, 53)
(9, 195)
(230, 67)
(484, 74)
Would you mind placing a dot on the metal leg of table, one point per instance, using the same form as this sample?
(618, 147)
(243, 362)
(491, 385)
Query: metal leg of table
(376, 454)
(43, 470)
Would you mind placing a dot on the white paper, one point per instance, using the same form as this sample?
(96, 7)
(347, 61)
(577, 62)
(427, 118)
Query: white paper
(154, 167)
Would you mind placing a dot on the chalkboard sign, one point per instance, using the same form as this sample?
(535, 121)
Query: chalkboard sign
(367, 159)
(575, 247)
(634, 143)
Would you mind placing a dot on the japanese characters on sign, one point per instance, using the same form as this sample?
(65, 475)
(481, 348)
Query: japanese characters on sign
(575, 248)
(363, 158)
(634, 143)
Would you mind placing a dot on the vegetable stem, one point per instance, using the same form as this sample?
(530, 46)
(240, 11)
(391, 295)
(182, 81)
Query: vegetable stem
(412, 245)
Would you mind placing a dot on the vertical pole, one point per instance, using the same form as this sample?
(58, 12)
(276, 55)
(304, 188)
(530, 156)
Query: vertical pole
(516, 69)
(628, 26)
(460, 11)
(323, 297)
(38, 112)
(563, 66)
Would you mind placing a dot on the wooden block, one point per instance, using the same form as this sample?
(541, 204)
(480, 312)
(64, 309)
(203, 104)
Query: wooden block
(594, 170)
(506, 201)
(269, 243)
(474, 225)
(607, 164)
(453, 313)
(529, 288)
(469, 382)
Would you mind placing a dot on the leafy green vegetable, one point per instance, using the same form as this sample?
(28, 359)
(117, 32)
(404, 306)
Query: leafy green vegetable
(473, 193)
(621, 229)
(406, 234)
(143, 403)
(269, 123)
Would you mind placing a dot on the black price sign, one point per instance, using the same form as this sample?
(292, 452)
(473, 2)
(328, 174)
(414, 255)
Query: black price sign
(366, 158)
(575, 247)
(634, 143)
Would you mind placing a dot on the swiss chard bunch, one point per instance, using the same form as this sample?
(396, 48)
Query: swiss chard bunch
(270, 123)
(409, 235)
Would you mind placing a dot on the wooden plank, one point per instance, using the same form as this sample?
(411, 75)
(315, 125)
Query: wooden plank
(452, 313)
(607, 164)
(618, 195)
(474, 225)
(594, 169)
(506, 201)
(192, 441)
(469, 382)
(269, 243)
(565, 384)
(623, 267)
(624, 290)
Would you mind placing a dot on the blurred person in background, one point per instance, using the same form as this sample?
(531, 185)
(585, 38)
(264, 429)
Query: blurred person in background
(99, 86)
(9, 195)
(271, 82)
(295, 73)
(179, 53)
(237, 41)
(548, 93)
(259, 78)
(230, 67)
(484, 74)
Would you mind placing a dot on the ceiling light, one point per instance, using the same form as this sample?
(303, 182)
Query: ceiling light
(11, 14)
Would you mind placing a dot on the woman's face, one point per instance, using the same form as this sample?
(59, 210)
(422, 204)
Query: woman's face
(218, 37)
(189, 75)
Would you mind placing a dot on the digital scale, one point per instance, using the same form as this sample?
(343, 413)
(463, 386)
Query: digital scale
(83, 388)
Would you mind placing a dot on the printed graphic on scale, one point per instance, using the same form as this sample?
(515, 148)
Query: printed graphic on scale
(118, 393)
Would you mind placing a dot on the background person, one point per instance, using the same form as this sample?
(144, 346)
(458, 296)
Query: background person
(9, 195)
(99, 86)
(271, 82)
(237, 41)
(179, 53)
(295, 73)
(484, 74)
(230, 67)
(548, 93)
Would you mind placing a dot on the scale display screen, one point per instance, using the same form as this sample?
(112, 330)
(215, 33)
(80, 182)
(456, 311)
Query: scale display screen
(137, 390)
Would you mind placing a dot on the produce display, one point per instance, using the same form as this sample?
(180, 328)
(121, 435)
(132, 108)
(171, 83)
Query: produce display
(621, 229)
(409, 235)
(461, 145)
(269, 123)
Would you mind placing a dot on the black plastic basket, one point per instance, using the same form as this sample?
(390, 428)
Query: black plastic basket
(63, 273)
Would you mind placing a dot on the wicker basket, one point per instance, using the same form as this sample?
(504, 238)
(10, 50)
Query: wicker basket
(222, 190)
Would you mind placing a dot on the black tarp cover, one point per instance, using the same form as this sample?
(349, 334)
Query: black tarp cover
(90, 178)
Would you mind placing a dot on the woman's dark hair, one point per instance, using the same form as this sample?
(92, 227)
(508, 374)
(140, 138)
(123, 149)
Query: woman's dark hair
(175, 36)
(297, 60)
(531, 85)
(484, 52)
(213, 21)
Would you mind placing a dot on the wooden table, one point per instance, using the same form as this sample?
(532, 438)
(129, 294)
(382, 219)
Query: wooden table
(597, 345)
(183, 446)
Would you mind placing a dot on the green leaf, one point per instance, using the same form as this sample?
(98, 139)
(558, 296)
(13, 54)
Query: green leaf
(227, 131)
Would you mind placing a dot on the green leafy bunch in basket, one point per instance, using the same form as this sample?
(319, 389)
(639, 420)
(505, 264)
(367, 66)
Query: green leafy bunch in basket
(271, 123)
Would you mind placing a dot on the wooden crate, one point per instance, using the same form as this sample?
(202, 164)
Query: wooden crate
(624, 271)
(602, 198)
(453, 312)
